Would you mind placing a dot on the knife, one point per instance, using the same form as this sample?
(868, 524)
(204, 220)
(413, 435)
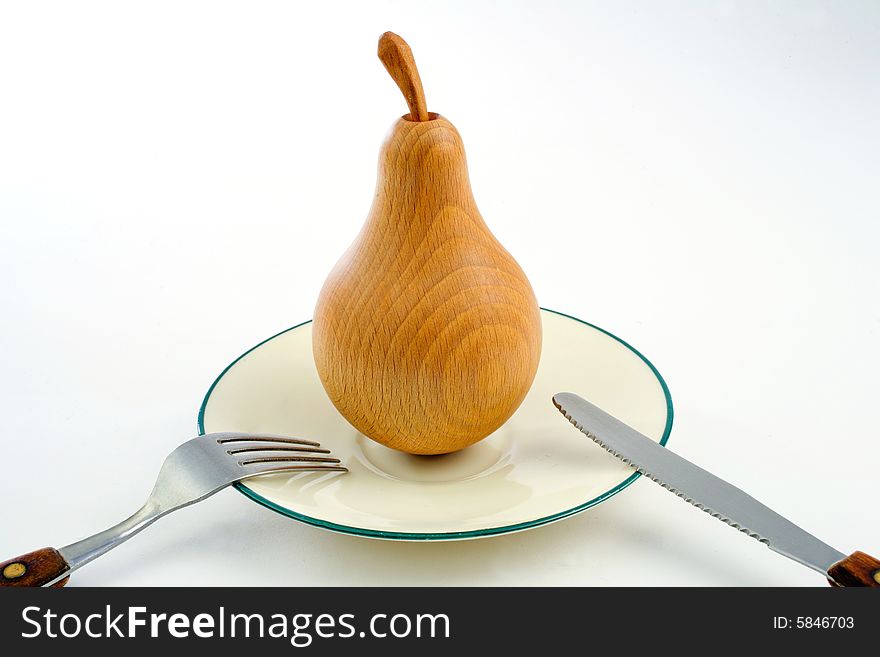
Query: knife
(717, 497)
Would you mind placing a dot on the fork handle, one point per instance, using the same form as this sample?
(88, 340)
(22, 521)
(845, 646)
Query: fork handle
(44, 567)
(36, 568)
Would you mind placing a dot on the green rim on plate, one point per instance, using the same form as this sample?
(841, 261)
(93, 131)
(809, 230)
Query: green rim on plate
(445, 536)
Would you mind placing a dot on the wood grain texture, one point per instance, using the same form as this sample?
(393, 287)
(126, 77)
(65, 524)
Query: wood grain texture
(398, 59)
(858, 569)
(427, 334)
(34, 569)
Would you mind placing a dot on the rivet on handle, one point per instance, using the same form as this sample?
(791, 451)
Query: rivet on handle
(14, 570)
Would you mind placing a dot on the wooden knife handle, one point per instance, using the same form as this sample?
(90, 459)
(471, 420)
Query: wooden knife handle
(34, 569)
(858, 569)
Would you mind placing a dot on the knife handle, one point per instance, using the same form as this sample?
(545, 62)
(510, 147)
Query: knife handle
(858, 569)
(34, 569)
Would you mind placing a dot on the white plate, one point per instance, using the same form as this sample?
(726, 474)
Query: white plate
(534, 470)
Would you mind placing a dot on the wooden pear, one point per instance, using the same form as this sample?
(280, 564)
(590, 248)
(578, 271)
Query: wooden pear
(427, 334)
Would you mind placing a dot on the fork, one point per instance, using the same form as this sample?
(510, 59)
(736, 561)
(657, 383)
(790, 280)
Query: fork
(193, 471)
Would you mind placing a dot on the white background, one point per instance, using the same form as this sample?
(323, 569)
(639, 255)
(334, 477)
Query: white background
(699, 178)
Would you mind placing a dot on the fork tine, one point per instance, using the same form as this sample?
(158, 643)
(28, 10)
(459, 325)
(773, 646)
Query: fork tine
(288, 459)
(268, 439)
(265, 453)
(253, 472)
(273, 447)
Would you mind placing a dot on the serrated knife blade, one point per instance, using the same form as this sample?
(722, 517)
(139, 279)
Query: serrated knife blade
(701, 488)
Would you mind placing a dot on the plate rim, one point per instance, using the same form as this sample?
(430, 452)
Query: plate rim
(444, 536)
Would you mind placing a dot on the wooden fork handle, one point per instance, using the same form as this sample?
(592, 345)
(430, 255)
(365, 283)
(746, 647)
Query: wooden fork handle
(34, 569)
(858, 569)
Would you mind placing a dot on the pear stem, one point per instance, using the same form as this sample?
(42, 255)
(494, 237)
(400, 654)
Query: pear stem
(398, 60)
